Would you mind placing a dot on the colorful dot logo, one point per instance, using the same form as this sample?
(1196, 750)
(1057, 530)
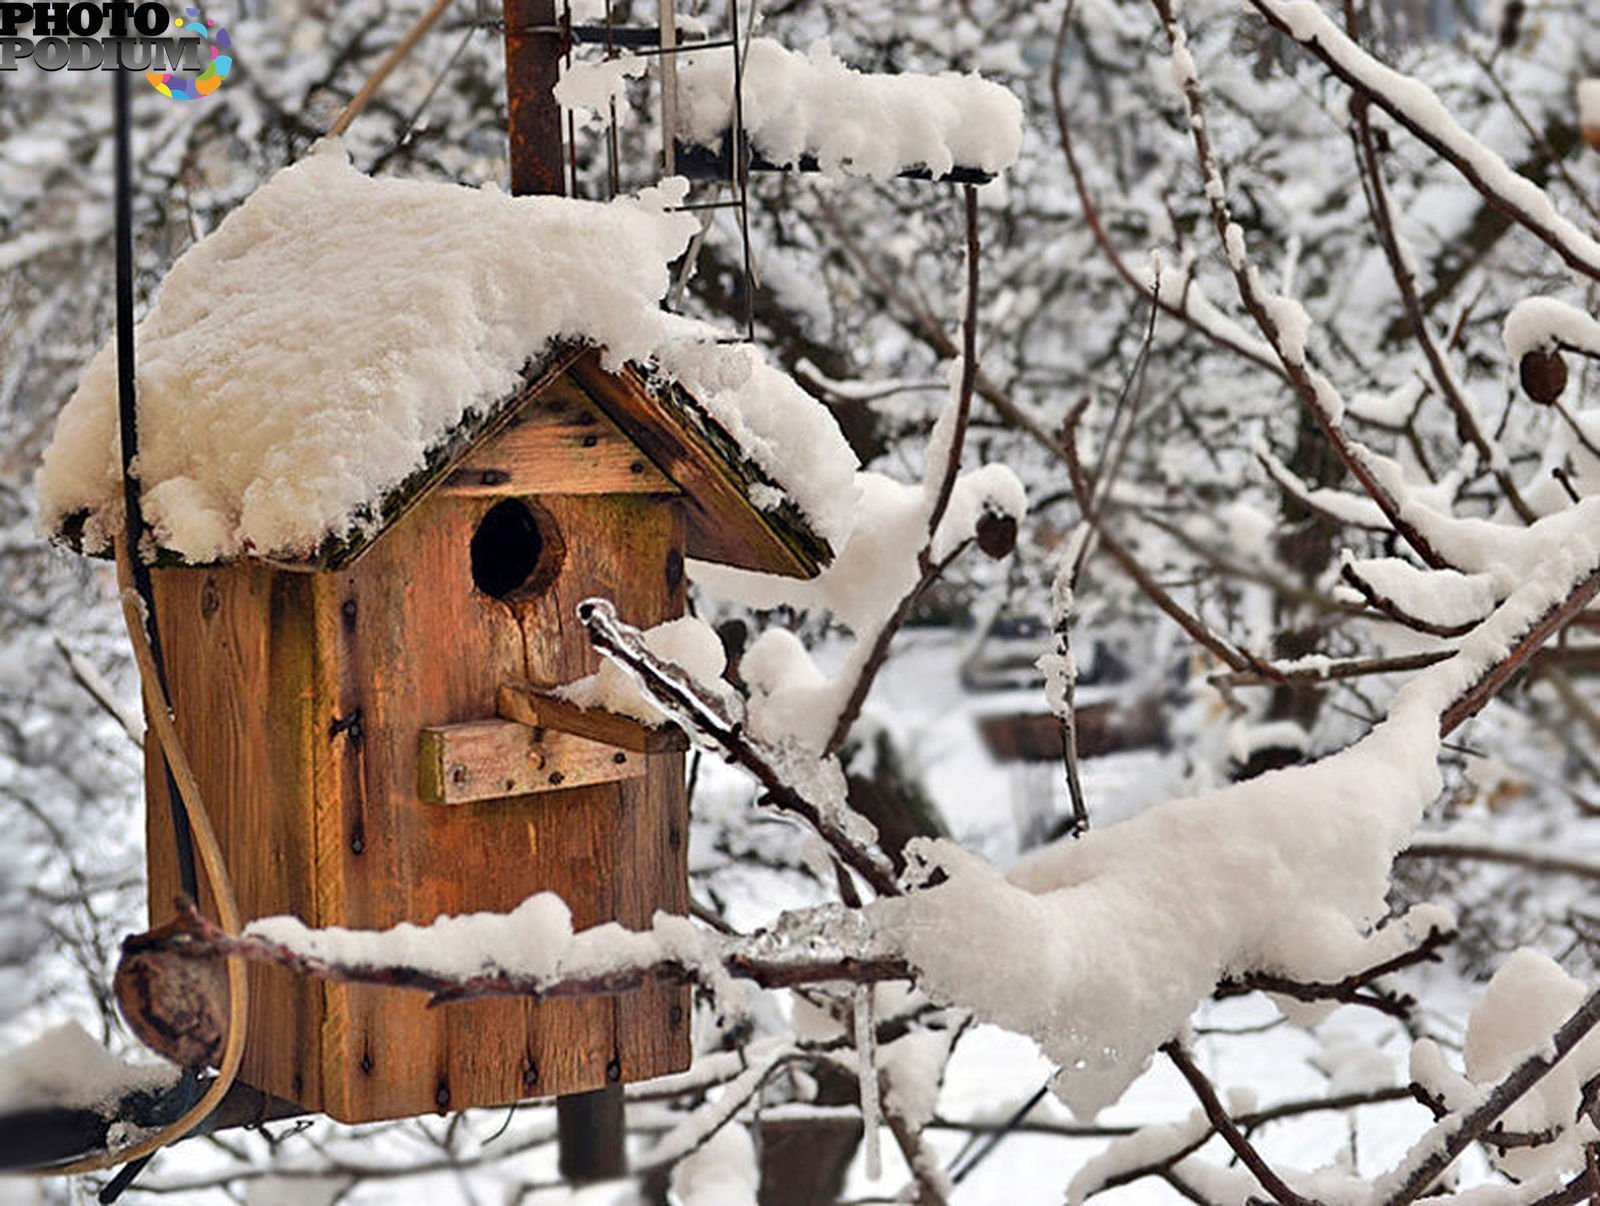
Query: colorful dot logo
(186, 88)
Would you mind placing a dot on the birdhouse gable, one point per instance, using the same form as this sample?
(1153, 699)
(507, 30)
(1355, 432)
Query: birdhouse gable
(578, 428)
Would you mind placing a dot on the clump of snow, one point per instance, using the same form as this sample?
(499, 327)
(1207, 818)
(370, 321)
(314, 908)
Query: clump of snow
(1588, 96)
(1249, 531)
(875, 125)
(592, 88)
(535, 940)
(781, 427)
(1146, 1146)
(1538, 323)
(1443, 597)
(688, 641)
(723, 1172)
(912, 1067)
(1353, 1063)
(530, 937)
(1293, 326)
(1246, 739)
(1099, 947)
(66, 1068)
(1524, 1004)
(304, 358)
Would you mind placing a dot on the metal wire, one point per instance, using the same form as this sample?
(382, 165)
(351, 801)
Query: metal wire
(741, 170)
(128, 422)
(644, 41)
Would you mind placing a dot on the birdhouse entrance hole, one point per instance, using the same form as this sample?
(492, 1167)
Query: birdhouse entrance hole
(513, 552)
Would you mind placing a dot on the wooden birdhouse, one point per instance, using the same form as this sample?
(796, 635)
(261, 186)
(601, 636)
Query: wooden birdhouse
(390, 434)
(374, 732)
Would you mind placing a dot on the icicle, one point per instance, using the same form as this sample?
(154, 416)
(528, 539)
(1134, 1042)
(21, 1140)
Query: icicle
(867, 1050)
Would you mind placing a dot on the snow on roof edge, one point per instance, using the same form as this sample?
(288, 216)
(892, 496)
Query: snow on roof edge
(242, 450)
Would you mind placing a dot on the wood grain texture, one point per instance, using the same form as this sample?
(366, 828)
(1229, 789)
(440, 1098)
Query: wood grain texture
(421, 648)
(531, 706)
(302, 698)
(559, 442)
(489, 759)
(242, 664)
(704, 461)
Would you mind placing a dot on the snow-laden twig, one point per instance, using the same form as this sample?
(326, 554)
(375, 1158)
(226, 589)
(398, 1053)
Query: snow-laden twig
(1217, 1114)
(1431, 1155)
(102, 692)
(1185, 302)
(1358, 988)
(817, 946)
(800, 784)
(1419, 109)
(1282, 321)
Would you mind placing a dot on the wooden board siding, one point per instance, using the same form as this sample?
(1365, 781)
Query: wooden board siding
(248, 689)
(419, 647)
(560, 442)
(714, 474)
(302, 699)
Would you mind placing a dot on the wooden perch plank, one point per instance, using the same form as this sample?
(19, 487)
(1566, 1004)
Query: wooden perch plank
(559, 442)
(493, 759)
(540, 709)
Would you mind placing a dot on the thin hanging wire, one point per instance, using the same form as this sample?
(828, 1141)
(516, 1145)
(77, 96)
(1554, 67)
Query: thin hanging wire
(613, 150)
(663, 43)
(572, 120)
(741, 170)
(128, 424)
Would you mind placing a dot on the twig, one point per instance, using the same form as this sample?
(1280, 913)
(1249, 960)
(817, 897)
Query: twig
(1381, 602)
(1355, 989)
(961, 1170)
(1532, 860)
(928, 328)
(1438, 1149)
(1231, 656)
(928, 567)
(969, 378)
(1467, 425)
(393, 59)
(1091, 216)
(703, 714)
(1225, 1126)
(1333, 671)
(1315, 390)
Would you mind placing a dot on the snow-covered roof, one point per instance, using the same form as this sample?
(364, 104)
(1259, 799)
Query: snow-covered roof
(336, 333)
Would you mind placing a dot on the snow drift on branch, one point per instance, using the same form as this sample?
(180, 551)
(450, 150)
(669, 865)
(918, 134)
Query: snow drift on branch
(1099, 947)
(66, 1068)
(868, 124)
(1528, 998)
